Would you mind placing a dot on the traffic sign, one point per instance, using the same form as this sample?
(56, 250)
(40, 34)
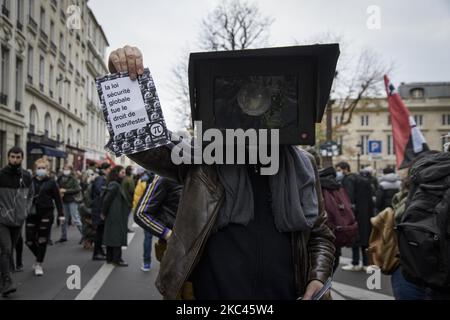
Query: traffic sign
(375, 146)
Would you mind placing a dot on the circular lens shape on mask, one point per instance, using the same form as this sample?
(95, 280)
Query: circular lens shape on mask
(254, 99)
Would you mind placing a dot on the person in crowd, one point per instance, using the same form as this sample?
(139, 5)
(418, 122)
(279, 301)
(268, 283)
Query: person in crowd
(98, 187)
(39, 221)
(128, 186)
(236, 236)
(360, 192)
(16, 195)
(156, 212)
(389, 185)
(144, 179)
(70, 189)
(115, 209)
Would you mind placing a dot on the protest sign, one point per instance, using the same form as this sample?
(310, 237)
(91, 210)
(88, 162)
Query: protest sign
(132, 112)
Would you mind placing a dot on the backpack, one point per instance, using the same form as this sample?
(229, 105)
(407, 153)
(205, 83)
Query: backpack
(424, 231)
(383, 248)
(340, 216)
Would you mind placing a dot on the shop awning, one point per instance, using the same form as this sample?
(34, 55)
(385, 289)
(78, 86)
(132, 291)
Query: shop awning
(47, 151)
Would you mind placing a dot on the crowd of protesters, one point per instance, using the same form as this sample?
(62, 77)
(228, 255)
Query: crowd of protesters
(98, 202)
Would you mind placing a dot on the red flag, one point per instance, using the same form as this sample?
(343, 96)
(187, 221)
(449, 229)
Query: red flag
(110, 161)
(408, 139)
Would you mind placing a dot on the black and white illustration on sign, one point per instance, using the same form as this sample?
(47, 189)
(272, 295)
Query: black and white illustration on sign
(132, 112)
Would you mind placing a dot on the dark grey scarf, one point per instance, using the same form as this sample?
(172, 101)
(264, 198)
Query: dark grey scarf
(294, 197)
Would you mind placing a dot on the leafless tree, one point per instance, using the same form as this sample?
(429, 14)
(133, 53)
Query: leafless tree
(232, 25)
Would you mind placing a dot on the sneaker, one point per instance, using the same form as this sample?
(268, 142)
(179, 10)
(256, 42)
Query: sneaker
(351, 267)
(146, 267)
(18, 269)
(120, 264)
(61, 240)
(38, 271)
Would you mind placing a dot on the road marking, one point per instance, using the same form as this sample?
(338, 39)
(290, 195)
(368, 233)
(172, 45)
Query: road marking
(358, 293)
(97, 281)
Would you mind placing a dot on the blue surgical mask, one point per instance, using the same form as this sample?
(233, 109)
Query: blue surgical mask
(339, 175)
(41, 172)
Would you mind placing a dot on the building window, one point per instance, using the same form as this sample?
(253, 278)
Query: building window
(5, 7)
(33, 119)
(78, 137)
(446, 119)
(365, 121)
(30, 65)
(61, 43)
(41, 73)
(418, 118)
(19, 14)
(390, 145)
(19, 82)
(52, 31)
(59, 131)
(364, 144)
(60, 88)
(417, 93)
(48, 125)
(31, 8)
(42, 20)
(389, 120)
(17, 140)
(4, 76)
(69, 135)
(51, 82)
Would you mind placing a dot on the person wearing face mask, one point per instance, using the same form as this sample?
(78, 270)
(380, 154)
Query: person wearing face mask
(16, 194)
(40, 220)
(115, 209)
(69, 189)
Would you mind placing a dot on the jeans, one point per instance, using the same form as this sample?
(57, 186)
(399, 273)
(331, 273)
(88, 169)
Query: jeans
(147, 247)
(37, 232)
(355, 259)
(405, 290)
(8, 239)
(70, 210)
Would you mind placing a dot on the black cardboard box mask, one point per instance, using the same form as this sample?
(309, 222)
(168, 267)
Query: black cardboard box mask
(276, 88)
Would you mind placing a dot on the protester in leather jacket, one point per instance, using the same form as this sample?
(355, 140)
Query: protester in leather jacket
(287, 265)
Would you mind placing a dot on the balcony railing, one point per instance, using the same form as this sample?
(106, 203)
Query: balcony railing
(53, 47)
(30, 79)
(32, 23)
(41, 87)
(43, 36)
(18, 106)
(3, 99)
(5, 10)
(19, 25)
(51, 93)
(62, 57)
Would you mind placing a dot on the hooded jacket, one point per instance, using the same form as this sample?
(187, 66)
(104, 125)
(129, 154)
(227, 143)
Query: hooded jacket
(16, 196)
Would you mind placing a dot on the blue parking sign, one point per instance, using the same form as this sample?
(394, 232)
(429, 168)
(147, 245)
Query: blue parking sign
(375, 146)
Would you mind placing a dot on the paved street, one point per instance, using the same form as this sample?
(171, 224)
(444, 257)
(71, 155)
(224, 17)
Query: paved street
(100, 281)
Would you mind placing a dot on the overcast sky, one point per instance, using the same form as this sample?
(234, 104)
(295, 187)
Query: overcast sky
(414, 34)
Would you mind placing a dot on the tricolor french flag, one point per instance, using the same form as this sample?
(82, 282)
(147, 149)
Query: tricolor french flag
(409, 141)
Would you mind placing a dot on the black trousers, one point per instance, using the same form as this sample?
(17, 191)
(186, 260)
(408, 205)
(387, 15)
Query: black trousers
(8, 239)
(37, 233)
(98, 241)
(113, 254)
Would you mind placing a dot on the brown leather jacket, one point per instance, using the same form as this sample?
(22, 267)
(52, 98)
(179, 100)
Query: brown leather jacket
(203, 194)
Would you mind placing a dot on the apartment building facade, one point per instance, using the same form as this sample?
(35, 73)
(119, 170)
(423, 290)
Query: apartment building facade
(51, 52)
